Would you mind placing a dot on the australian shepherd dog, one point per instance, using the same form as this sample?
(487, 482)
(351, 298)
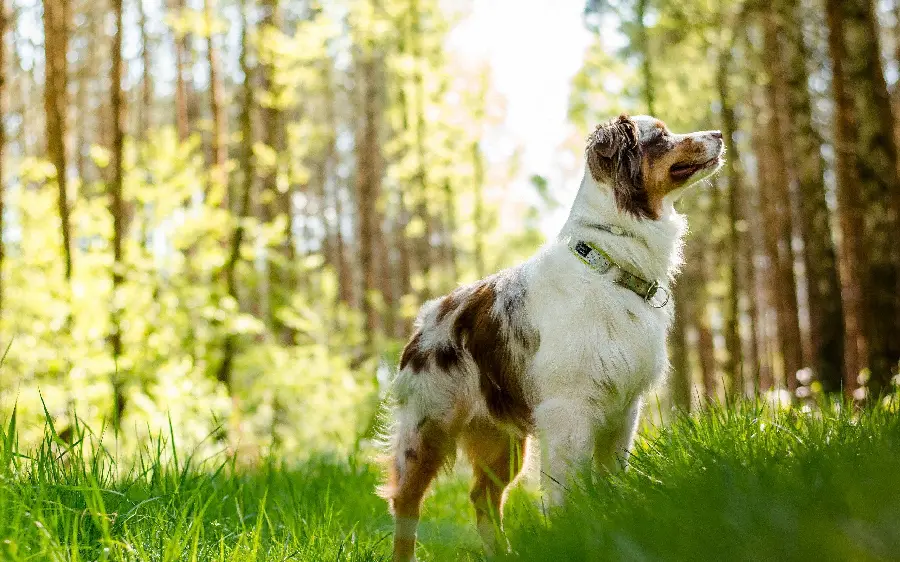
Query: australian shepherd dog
(561, 347)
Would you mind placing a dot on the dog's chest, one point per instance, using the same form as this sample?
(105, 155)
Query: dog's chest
(596, 337)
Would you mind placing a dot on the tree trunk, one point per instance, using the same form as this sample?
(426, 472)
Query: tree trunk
(478, 211)
(424, 254)
(218, 189)
(695, 305)
(368, 185)
(778, 205)
(764, 242)
(338, 259)
(682, 384)
(56, 46)
(449, 229)
(826, 324)
(850, 204)
(876, 160)
(403, 272)
(274, 202)
(734, 365)
(643, 46)
(248, 170)
(117, 210)
(146, 116)
(183, 90)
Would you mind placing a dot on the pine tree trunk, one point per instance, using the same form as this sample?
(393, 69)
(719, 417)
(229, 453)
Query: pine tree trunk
(682, 384)
(275, 203)
(778, 204)
(449, 229)
(826, 324)
(117, 210)
(696, 297)
(764, 301)
(734, 366)
(404, 267)
(424, 254)
(478, 211)
(643, 46)
(248, 170)
(876, 159)
(218, 188)
(146, 116)
(183, 90)
(850, 204)
(368, 184)
(56, 46)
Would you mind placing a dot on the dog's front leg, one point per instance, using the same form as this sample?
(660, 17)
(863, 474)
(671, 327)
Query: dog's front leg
(614, 438)
(567, 439)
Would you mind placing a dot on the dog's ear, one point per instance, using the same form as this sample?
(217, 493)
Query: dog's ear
(613, 137)
(614, 158)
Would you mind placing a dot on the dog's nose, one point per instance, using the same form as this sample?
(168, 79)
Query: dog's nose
(716, 134)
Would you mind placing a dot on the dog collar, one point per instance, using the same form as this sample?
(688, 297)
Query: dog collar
(652, 292)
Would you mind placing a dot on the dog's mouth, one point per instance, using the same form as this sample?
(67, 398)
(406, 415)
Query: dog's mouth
(681, 172)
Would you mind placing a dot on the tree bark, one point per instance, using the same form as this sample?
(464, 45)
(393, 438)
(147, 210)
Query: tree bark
(146, 116)
(368, 185)
(876, 160)
(682, 384)
(764, 243)
(478, 210)
(778, 206)
(826, 324)
(248, 170)
(424, 254)
(56, 46)
(183, 90)
(117, 210)
(850, 205)
(643, 45)
(734, 365)
(218, 189)
(276, 202)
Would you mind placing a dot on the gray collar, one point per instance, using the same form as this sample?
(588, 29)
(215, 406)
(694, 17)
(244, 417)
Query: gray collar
(652, 292)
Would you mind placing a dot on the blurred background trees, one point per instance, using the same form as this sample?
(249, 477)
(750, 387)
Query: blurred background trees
(225, 214)
(792, 267)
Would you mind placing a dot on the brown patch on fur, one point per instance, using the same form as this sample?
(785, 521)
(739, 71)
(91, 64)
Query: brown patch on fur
(497, 459)
(447, 305)
(480, 333)
(413, 355)
(406, 485)
(660, 154)
(446, 357)
(614, 157)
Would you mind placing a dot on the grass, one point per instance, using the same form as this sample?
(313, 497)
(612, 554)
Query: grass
(730, 484)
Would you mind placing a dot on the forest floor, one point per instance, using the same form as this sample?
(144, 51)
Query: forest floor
(729, 484)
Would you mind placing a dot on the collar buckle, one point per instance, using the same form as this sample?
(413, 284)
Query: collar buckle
(655, 290)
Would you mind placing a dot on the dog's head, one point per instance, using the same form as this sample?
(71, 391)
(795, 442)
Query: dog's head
(645, 164)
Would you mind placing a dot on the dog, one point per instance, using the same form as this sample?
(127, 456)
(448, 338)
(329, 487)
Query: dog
(561, 347)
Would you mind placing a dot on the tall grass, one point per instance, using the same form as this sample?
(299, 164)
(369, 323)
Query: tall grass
(735, 483)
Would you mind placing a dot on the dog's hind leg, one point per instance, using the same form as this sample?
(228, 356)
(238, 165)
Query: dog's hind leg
(419, 451)
(496, 458)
